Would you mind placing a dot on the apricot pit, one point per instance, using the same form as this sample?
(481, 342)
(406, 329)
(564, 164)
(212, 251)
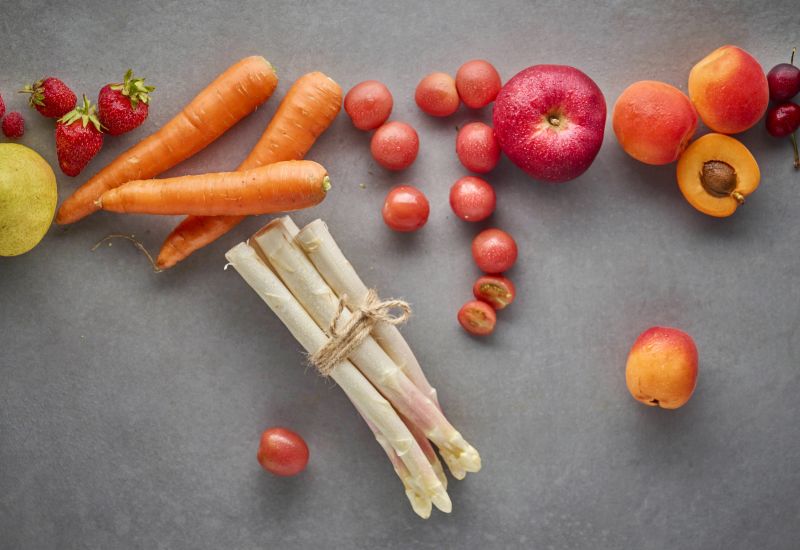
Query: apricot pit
(716, 173)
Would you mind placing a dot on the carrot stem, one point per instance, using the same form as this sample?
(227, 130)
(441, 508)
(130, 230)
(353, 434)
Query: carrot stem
(136, 243)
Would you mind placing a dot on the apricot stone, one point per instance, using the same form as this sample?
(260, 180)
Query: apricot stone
(716, 173)
(729, 89)
(662, 368)
(654, 121)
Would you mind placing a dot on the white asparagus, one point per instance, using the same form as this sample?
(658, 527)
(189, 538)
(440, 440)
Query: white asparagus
(302, 279)
(418, 504)
(327, 257)
(370, 403)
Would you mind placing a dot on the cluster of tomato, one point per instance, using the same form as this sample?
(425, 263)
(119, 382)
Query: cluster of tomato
(395, 145)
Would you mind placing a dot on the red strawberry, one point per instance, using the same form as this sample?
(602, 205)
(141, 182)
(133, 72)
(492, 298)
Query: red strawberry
(2, 107)
(13, 125)
(123, 107)
(79, 138)
(51, 97)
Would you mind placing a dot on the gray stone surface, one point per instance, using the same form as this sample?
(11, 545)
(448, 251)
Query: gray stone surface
(131, 403)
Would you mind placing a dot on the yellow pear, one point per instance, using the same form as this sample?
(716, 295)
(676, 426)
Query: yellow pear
(28, 197)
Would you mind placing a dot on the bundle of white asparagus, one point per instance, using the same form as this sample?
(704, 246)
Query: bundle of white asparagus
(305, 279)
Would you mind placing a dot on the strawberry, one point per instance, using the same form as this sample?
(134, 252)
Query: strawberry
(123, 107)
(13, 125)
(2, 107)
(79, 137)
(51, 97)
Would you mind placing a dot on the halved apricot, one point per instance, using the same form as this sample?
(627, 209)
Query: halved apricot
(716, 173)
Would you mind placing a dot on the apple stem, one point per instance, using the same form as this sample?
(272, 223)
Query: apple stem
(796, 156)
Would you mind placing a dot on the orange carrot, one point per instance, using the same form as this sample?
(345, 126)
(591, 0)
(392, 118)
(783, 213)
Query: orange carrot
(279, 187)
(305, 113)
(234, 94)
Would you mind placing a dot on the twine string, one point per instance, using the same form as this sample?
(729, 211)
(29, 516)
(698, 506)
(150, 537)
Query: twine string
(344, 339)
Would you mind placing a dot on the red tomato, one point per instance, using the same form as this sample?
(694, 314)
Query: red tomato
(495, 290)
(477, 318)
(395, 145)
(406, 209)
(436, 95)
(477, 148)
(282, 452)
(368, 104)
(472, 199)
(494, 251)
(478, 83)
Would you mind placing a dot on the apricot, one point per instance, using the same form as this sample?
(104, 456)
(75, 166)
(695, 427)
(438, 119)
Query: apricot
(716, 173)
(654, 121)
(662, 368)
(729, 89)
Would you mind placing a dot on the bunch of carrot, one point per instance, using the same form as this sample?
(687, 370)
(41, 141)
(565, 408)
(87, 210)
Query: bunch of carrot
(273, 177)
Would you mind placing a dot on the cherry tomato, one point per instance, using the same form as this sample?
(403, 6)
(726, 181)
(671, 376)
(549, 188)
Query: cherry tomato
(406, 209)
(478, 83)
(494, 251)
(368, 104)
(472, 199)
(477, 148)
(395, 145)
(282, 452)
(436, 95)
(495, 290)
(477, 318)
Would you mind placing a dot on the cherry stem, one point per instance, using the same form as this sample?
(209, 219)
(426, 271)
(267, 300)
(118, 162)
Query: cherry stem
(796, 156)
(794, 51)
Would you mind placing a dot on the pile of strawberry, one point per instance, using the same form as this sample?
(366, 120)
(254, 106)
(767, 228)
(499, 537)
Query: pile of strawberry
(121, 107)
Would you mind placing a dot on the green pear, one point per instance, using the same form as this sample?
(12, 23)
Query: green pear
(28, 197)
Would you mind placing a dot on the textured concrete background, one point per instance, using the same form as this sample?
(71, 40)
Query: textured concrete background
(131, 403)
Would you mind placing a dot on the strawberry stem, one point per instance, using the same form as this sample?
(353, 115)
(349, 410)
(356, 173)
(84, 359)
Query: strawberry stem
(85, 113)
(37, 93)
(134, 89)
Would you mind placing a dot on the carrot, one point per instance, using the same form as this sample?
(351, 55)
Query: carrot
(310, 105)
(279, 187)
(234, 94)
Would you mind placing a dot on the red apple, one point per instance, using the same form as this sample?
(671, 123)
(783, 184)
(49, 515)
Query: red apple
(549, 120)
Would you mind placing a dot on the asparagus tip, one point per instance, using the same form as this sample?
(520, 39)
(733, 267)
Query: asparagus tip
(442, 501)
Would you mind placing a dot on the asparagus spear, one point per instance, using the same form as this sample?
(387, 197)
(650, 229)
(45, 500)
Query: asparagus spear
(303, 280)
(374, 407)
(325, 254)
(420, 503)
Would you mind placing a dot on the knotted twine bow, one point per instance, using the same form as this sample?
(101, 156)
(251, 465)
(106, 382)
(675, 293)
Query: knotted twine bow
(348, 337)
